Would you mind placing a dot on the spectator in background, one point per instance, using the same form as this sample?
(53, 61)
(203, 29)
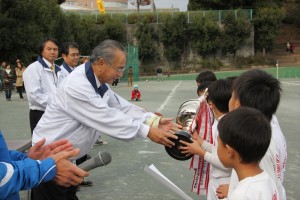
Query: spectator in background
(115, 83)
(293, 48)
(8, 82)
(41, 80)
(24, 67)
(70, 54)
(130, 76)
(168, 73)
(135, 93)
(159, 73)
(2, 68)
(19, 81)
(288, 47)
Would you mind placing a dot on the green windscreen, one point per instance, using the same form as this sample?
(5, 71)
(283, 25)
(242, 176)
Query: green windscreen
(133, 61)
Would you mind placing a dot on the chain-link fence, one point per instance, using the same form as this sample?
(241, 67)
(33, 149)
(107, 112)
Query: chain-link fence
(133, 61)
(161, 17)
(281, 72)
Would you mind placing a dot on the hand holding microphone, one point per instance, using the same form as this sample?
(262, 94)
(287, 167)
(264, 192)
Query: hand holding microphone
(101, 159)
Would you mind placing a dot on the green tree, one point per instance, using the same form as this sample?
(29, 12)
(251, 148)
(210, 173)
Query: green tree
(205, 37)
(235, 33)
(173, 37)
(23, 24)
(114, 29)
(146, 42)
(266, 25)
(86, 33)
(230, 4)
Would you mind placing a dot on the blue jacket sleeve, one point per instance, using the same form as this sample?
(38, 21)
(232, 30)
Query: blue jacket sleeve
(16, 155)
(24, 174)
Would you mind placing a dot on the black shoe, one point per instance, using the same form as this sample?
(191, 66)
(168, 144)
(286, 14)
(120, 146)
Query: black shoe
(100, 142)
(86, 183)
(88, 156)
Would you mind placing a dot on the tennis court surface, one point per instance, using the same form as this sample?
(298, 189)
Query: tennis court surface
(124, 177)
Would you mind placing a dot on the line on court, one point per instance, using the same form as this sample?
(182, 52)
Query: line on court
(168, 97)
(290, 83)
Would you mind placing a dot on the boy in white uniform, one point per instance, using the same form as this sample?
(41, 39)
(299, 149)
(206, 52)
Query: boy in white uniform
(260, 90)
(244, 137)
(219, 95)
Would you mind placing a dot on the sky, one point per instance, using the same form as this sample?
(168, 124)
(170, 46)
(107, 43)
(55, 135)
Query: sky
(181, 4)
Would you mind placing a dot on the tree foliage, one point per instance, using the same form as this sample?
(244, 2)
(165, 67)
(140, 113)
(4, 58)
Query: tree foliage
(24, 24)
(205, 37)
(235, 33)
(21, 31)
(173, 37)
(229, 4)
(266, 25)
(146, 42)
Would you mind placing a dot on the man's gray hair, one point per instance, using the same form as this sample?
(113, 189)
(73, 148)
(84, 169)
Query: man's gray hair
(106, 50)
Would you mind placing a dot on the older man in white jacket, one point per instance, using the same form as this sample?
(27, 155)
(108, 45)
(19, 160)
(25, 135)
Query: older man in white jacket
(84, 106)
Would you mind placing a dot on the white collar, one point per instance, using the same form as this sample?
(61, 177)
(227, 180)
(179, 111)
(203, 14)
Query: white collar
(48, 63)
(97, 81)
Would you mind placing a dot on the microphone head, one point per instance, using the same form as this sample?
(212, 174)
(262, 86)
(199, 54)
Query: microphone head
(104, 157)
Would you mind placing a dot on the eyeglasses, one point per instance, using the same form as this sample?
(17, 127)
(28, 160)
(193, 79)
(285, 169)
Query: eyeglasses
(73, 55)
(119, 69)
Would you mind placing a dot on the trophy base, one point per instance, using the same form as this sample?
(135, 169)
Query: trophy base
(174, 152)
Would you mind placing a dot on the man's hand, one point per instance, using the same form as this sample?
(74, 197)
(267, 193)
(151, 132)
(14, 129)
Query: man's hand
(192, 148)
(161, 137)
(67, 173)
(222, 191)
(40, 152)
(168, 125)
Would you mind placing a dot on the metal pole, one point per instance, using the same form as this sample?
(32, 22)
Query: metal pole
(277, 68)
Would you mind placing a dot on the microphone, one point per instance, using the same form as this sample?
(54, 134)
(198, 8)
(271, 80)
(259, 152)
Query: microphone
(103, 158)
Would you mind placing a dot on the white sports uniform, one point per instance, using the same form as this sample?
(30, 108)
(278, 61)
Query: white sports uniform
(218, 173)
(259, 187)
(274, 158)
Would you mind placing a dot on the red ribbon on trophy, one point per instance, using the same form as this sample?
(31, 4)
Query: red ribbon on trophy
(203, 121)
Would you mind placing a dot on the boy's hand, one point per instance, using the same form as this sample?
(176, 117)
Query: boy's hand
(222, 191)
(192, 148)
(197, 137)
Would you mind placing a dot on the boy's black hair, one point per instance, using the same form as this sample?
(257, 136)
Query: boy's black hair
(203, 86)
(205, 76)
(231, 79)
(67, 45)
(219, 93)
(258, 89)
(247, 131)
